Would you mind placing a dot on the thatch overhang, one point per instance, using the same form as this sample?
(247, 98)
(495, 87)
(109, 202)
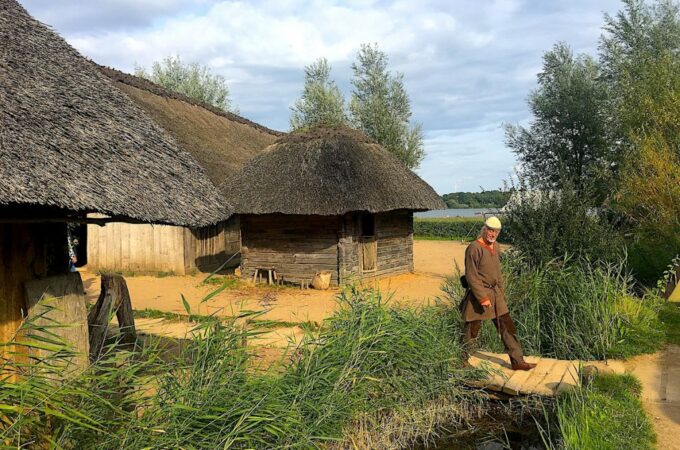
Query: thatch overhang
(69, 139)
(327, 171)
(221, 142)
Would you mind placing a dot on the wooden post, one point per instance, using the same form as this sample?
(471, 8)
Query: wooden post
(672, 284)
(114, 297)
(58, 304)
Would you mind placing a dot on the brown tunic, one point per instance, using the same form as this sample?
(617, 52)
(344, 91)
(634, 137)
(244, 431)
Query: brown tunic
(483, 274)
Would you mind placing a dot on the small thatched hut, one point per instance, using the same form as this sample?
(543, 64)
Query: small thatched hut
(328, 199)
(72, 144)
(221, 143)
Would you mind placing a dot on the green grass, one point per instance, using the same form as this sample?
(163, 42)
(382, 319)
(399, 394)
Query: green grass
(606, 414)
(166, 315)
(257, 324)
(447, 228)
(229, 282)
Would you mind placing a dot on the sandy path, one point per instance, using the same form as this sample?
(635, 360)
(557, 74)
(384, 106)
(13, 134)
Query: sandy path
(660, 377)
(433, 261)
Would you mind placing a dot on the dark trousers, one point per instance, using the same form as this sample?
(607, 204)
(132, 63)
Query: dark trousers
(506, 327)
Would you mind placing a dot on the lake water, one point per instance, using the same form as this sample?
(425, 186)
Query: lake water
(462, 212)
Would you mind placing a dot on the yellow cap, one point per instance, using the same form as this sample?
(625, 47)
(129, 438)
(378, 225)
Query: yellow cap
(493, 222)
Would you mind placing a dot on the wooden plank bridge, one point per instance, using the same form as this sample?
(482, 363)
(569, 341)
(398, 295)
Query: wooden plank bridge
(548, 378)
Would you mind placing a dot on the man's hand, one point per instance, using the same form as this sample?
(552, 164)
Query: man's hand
(485, 302)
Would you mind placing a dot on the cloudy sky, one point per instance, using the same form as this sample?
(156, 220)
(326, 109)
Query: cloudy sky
(468, 66)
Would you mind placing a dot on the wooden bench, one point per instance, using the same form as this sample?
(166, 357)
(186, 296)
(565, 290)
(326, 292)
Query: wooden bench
(272, 277)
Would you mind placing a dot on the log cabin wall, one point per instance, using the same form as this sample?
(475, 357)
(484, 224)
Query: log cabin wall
(296, 246)
(348, 248)
(394, 238)
(394, 233)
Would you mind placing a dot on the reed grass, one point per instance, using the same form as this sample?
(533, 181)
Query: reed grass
(605, 414)
(574, 309)
(370, 360)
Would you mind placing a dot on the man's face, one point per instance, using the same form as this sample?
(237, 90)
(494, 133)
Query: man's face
(490, 234)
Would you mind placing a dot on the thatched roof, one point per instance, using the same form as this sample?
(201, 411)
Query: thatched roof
(71, 140)
(327, 171)
(220, 141)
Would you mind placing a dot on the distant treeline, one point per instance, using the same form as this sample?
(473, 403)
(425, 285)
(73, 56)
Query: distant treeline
(486, 199)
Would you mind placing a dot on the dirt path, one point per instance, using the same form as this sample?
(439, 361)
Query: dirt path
(660, 377)
(433, 261)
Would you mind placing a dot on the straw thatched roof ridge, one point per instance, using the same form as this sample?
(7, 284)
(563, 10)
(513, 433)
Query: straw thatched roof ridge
(221, 142)
(327, 171)
(147, 85)
(70, 140)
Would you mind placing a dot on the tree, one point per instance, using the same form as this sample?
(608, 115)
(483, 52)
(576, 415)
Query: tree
(321, 101)
(380, 107)
(191, 79)
(640, 54)
(568, 140)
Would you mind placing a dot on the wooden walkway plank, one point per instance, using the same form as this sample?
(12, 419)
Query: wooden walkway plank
(516, 382)
(570, 379)
(554, 378)
(497, 377)
(549, 377)
(537, 383)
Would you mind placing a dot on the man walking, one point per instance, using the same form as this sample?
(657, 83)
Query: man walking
(485, 298)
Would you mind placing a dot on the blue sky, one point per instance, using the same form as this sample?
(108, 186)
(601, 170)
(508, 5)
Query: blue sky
(468, 66)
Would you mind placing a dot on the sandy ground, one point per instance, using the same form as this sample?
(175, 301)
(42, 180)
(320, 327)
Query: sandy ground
(433, 261)
(660, 377)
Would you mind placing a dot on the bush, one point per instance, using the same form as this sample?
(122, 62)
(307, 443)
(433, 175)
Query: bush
(462, 228)
(545, 225)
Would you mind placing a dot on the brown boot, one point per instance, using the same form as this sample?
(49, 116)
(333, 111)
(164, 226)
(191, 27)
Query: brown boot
(523, 365)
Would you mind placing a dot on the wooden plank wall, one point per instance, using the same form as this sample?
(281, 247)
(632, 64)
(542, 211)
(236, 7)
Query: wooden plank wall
(394, 234)
(207, 248)
(27, 252)
(348, 249)
(296, 246)
(135, 248)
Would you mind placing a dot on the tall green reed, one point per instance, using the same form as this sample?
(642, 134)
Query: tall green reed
(369, 359)
(573, 308)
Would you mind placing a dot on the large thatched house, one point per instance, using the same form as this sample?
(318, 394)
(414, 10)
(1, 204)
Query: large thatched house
(73, 144)
(221, 142)
(328, 200)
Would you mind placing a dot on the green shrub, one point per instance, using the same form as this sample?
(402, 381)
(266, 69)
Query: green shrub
(546, 225)
(462, 228)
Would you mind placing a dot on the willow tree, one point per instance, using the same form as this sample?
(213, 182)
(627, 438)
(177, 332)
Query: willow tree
(191, 79)
(567, 141)
(380, 106)
(321, 101)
